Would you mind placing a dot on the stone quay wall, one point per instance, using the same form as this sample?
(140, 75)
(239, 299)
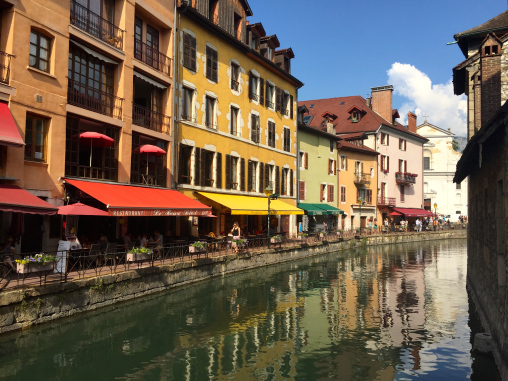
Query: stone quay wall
(22, 308)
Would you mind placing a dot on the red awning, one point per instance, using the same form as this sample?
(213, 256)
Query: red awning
(408, 212)
(15, 199)
(128, 200)
(79, 209)
(9, 134)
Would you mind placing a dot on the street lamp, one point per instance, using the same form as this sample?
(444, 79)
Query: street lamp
(271, 196)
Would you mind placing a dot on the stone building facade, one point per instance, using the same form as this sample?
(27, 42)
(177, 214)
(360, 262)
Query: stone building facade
(483, 78)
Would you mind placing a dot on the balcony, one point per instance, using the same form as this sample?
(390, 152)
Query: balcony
(405, 178)
(93, 24)
(91, 99)
(152, 57)
(96, 173)
(386, 201)
(5, 67)
(144, 117)
(362, 178)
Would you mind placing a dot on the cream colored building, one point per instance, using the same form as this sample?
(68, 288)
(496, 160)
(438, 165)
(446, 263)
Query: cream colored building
(70, 67)
(439, 164)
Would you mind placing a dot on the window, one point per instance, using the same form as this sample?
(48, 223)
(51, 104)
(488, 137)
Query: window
(210, 112)
(235, 75)
(269, 176)
(152, 44)
(402, 166)
(331, 166)
(213, 11)
(189, 51)
(342, 193)
(270, 95)
(252, 176)
(301, 155)
(39, 51)
(254, 44)
(402, 144)
(211, 64)
(207, 163)
(332, 144)
(254, 132)
(285, 180)
(304, 160)
(148, 169)
(426, 162)
(232, 172)
(253, 87)
(238, 26)
(385, 163)
(402, 196)
(371, 171)
(358, 169)
(425, 187)
(271, 134)
(285, 104)
(35, 138)
(301, 190)
(187, 104)
(457, 186)
(234, 121)
(385, 138)
(369, 196)
(343, 163)
(383, 191)
(322, 192)
(331, 191)
(287, 140)
(355, 116)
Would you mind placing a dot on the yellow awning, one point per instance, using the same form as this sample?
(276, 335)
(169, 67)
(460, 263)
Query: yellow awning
(251, 205)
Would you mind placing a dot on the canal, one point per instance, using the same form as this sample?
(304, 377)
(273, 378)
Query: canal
(394, 312)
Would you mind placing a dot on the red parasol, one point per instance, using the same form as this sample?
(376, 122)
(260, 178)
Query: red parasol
(395, 214)
(150, 150)
(79, 209)
(94, 139)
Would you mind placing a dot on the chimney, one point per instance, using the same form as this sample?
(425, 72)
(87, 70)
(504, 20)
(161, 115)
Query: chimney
(382, 101)
(411, 122)
(490, 72)
(369, 103)
(329, 128)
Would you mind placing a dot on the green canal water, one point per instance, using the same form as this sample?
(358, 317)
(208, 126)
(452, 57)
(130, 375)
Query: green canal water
(397, 312)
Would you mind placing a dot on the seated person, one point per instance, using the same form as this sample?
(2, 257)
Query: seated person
(8, 251)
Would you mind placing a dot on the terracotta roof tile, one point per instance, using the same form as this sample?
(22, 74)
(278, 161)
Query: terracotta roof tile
(344, 144)
(495, 23)
(370, 121)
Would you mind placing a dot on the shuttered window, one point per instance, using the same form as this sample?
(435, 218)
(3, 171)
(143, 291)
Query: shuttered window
(301, 190)
(278, 100)
(277, 180)
(369, 196)
(261, 178)
(306, 160)
(271, 134)
(287, 140)
(242, 174)
(331, 191)
(211, 64)
(251, 176)
(261, 91)
(291, 190)
(218, 170)
(291, 106)
(254, 132)
(189, 51)
(342, 194)
(197, 166)
(322, 190)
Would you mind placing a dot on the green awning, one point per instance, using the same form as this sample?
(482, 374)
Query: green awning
(331, 209)
(312, 209)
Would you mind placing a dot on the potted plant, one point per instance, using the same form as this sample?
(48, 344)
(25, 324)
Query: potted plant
(38, 262)
(239, 243)
(302, 235)
(276, 239)
(137, 254)
(197, 247)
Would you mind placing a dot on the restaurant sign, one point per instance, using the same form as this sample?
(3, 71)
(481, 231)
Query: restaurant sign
(158, 212)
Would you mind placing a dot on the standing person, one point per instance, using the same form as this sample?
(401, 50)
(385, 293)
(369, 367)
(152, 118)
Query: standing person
(143, 241)
(236, 232)
(392, 224)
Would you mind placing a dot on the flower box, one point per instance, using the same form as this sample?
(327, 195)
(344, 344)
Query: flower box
(239, 245)
(35, 267)
(275, 240)
(137, 257)
(197, 249)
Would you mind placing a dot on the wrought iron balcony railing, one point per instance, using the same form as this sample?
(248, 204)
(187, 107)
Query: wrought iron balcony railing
(5, 67)
(405, 178)
(387, 201)
(152, 57)
(234, 85)
(89, 98)
(152, 120)
(362, 178)
(91, 23)
(253, 96)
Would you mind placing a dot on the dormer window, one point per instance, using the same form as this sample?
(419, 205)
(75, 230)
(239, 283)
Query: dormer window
(356, 116)
(213, 11)
(238, 26)
(255, 43)
(491, 45)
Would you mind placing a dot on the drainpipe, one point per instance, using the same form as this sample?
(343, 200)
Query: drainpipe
(176, 75)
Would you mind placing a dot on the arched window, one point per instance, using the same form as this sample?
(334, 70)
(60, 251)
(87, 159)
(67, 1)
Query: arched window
(425, 187)
(458, 199)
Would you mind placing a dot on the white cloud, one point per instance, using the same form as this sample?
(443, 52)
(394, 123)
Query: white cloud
(443, 108)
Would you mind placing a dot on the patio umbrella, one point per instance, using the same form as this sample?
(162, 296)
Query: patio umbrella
(79, 209)
(95, 140)
(395, 214)
(150, 150)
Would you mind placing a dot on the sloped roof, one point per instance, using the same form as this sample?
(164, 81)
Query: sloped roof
(370, 122)
(495, 23)
(344, 144)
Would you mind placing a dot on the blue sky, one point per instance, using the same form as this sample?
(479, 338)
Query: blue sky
(345, 48)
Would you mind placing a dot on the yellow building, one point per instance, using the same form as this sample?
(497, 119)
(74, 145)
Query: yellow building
(236, 118)
(357, 177)
(82, 66)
